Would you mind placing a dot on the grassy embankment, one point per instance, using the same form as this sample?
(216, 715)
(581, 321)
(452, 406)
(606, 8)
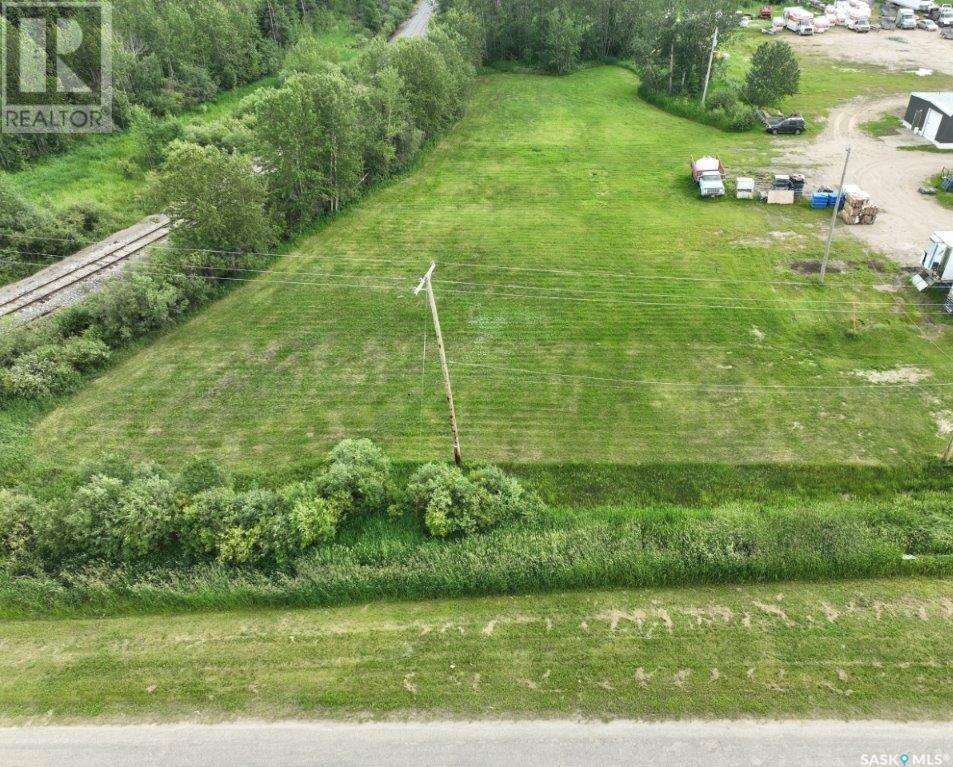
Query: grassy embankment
(877, 649)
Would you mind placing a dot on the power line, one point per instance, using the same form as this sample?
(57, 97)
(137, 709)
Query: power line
(491, 291)
(691, 384)
(474, 265)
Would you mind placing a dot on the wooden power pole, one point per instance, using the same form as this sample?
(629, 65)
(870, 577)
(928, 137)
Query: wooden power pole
(426, 283)
(948, 455)
(830, 234)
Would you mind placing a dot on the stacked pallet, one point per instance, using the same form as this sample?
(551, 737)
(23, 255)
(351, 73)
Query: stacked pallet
(858, 209)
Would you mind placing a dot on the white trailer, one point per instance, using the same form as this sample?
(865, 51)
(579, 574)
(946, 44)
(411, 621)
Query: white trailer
(936, 262)
(918, 6)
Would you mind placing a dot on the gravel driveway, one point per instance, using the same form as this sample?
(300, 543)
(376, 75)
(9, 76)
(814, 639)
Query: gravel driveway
(891, 177)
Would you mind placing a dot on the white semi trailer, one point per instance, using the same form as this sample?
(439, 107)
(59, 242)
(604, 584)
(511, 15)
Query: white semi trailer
(917, 6)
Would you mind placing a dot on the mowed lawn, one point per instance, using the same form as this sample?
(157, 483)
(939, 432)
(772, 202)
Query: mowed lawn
(876, 649)
(594, 310)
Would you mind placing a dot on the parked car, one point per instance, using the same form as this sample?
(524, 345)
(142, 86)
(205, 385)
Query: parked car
(794, 124)
(928, 24)
(858, 25)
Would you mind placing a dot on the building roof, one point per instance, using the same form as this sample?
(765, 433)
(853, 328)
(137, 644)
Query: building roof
(942, 100)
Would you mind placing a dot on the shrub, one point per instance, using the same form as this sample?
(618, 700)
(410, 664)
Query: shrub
(741, 118)
(512, 500)
(357, 477)
(722, 112)
(148, 518)
(152, 136)
(18, 514)
(93, 521)
(39, 373)
(255, 534)
(315, 521)
(724, 99)
(130, 307)
(204, 522)
(108, 465)
(85, 353)
(199, 475)
(452, 503)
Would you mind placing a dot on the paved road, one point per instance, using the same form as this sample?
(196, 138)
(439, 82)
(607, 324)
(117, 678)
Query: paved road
(416, 25)
(552, 743)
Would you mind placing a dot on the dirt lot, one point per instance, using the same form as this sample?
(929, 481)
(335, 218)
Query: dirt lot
(889, 175)
(894, 49)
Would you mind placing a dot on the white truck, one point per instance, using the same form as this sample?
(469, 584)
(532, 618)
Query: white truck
(858, 19)
(709, 174)
(904, 19)
(799, 20)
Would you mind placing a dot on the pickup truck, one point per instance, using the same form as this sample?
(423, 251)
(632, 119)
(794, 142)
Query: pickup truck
(709, 174)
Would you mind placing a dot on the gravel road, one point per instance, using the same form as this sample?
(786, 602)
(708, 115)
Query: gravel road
(526, 743)
(416, 25)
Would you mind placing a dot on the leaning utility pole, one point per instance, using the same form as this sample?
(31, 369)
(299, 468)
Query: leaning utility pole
(427, 283)
(830, 234)
(711, 58)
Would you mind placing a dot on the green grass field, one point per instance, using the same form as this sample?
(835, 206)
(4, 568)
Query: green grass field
(869, 649)
(595, 312)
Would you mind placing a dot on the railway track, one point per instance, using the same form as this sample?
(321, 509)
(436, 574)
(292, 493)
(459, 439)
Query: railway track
(36, 296)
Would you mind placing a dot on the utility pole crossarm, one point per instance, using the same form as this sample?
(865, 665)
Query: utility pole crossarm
(426, 283)
(425, 280)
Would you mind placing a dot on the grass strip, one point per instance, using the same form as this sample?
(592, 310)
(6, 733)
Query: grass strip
(877, 649)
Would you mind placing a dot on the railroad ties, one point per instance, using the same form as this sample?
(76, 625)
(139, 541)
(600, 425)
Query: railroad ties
(66, 281)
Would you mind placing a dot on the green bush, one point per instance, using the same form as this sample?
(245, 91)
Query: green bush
(199, 475)
(315, 521)
(18, 544)
(357, 477)
(452, 503)
(152, 136)
(148, 518)
(133, 306)
(39, 373)
(723, 111)
(92, 522)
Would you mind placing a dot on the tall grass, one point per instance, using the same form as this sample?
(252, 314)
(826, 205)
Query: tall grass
(608, 547)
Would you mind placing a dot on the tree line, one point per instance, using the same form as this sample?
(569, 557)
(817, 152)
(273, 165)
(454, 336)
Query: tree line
(668, 43)
(235, 187)
(169, 55)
